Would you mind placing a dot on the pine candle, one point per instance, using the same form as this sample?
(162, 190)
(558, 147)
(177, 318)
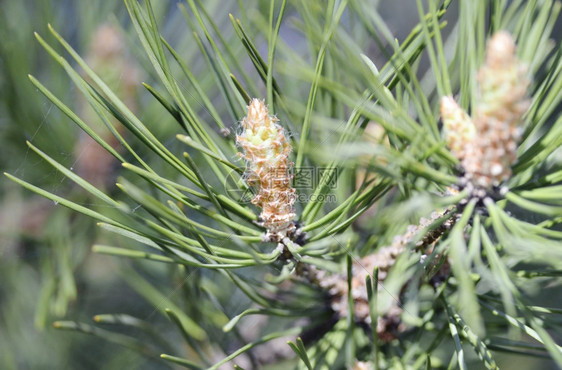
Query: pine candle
(266, 151)
(459, 128)
(502, 88)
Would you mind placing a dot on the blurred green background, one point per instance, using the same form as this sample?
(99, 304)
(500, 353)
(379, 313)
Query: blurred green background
(47, 271)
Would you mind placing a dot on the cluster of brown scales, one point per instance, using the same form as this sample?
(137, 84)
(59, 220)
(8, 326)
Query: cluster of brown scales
(486, 144)
(266, 151)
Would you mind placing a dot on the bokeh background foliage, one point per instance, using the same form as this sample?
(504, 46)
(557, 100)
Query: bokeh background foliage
(195, 259)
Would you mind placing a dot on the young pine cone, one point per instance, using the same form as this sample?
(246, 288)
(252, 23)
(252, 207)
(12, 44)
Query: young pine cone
(459, 128)
(266, 152)
(487, 144)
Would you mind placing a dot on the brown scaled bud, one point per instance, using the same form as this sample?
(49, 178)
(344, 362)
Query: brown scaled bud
(266, 151)
(458, 127)
(487, 143)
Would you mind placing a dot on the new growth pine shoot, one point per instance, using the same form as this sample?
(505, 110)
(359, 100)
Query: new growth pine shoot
(486, 145)
(266, 151)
